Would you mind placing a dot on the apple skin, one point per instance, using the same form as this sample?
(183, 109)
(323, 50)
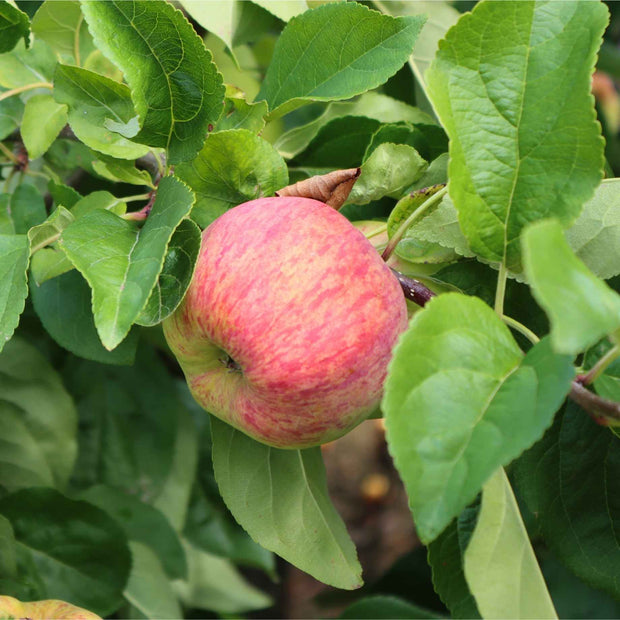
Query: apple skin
(288, 325)
(42, 610)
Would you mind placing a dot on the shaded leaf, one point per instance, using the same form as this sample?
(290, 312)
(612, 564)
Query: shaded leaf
(14, 25)
(119, 170)
(14, 252)
(11, 111)
(49, 263)
(384, 607)
(239, 114)
(27, 208)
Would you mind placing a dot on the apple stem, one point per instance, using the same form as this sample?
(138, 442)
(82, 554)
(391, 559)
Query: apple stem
(413, 289)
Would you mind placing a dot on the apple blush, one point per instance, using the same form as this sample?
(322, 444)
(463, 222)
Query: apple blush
(288, 326)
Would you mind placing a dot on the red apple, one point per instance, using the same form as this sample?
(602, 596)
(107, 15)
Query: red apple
(289, 323)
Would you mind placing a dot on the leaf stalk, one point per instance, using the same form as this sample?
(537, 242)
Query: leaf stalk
(22, 89)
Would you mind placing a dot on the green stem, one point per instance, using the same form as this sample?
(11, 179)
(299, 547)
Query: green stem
(9, 154)
(528, 333)
(76, 41)
(500, 291)
(21, 89)
(599, 368)
(416, 215)
(136, 197)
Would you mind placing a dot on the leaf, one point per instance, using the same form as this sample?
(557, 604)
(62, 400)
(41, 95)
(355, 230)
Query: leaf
(8, 556)
(27, 208)
(148, 588)
(119, 170)
(23, 67)
(460, 400)
(280, 498)
(14, 252)
(175, 86)
(239, 114)
(63, 304)
(581, 308)
(175, 276)
(81, 553)
(387, 172)
(14, 25)
(30, 386)
(43, 119)
(49, 263)
(44, 234)
(606, 384)
(233, 167)
(371, 105)
(284, 10)
(335, 52)
(98, 200)
(121, 264)
(381, 606)
(215, 584)
(500, 565)
(519, 112)
(93, 100)
(63, 194)
(569, 481)
(219, 19)
(11, 111)
(143, 524)
(61, 25)
(595, 236)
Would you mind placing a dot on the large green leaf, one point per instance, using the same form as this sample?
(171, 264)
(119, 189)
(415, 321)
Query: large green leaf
(81, 552)
(14, 251)
(234, 166)
(14, 25)
(41, 413)
(595, 236)
(460, 400)
(524, 141)
(582, 308)
(43, 119)
(335, 52)
(280, 498)
(23, 67)
(122, 264)
(499, 562)
(149, 589)
(570, 482)
(26, 208)
(175, 86)
(142, 523)
(93, 101)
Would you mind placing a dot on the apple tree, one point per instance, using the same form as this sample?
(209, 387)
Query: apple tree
(464, 141)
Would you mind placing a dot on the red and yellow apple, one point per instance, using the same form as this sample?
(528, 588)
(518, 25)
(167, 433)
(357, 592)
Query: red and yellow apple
(288, 325)
(42, 610)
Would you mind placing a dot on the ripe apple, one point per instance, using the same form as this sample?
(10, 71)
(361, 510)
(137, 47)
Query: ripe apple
(289, 323)
(42, 610)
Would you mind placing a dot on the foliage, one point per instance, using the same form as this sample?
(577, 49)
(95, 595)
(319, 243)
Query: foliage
(126, 127)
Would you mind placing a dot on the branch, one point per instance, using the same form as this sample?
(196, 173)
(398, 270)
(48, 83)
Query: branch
(603, 411)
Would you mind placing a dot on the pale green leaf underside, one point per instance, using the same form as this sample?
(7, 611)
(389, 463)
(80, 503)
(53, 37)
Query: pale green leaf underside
(335, 52)
(581, 307)
(524, 141)
(280, 498)
(49, 232)
(461, 400)
(500, 566)
(14, 252)
(175, 86)
(121, 264)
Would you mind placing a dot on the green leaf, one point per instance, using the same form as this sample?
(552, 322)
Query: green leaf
(457, 358)
(61, 25)
(233, 167)
(98, 200)
(500, 565)
(63, 194)
(31, 387)
(335, 52)
(371, 105)
(93, 100)
(11, 111)
(14, 252)
(23, 67)
(382, 606)
(582, 309)
(280, 498)
(284, 10)
(122, 171)
(175, 86)
(175, 276)
(14, 25)
(8, 555)
(27, 208)
(239, 114)
(148, 588)
(143, 524)
(389, 170)
(606, 384)
(519, 111)
(215, 584)
(44, 234)
(569, 481)
(43, 119)
(219, 19)
(49, 263)
(122, 264)
(445, 556)
(595, 236)
(63, 304)
(80, 551)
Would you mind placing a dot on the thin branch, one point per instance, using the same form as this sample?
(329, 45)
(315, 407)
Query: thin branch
(603, 411)
(599, 368)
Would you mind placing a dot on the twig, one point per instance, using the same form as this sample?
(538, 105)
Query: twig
(603, 411)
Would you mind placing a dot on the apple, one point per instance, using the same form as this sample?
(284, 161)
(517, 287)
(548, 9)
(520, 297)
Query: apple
(42, 610)
(289, 322)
